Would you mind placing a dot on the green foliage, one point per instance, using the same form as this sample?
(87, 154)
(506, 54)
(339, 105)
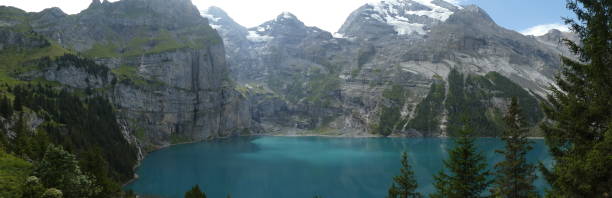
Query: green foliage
(33, 188)
(70, 60)
(83, 126)
(404, 185)
(468, 96)
(390, 117)
(464, 103)
(13, 174)
(6, 108)
(322, 88)
(504, 88)
(195, 192)
(196, 37)
(103, 50)
(93, 162)
(53, 193)
(129, 75)
(26, 143)
(59, 169)
(514, 175)
(468, 174)
(16, 61)
(428, 112)
(579, 133)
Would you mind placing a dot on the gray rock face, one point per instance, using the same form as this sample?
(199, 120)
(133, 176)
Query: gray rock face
(234, 38)
(554, 40)
(286, 62)
(170, 80)
(77, 77)
(13, 35)
(194, 100)
(119, 22)
(303, 78)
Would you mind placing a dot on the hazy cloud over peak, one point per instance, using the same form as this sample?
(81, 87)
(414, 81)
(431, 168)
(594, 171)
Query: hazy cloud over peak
(540, 30)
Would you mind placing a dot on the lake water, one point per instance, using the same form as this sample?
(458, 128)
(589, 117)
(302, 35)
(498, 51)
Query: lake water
(300, 167)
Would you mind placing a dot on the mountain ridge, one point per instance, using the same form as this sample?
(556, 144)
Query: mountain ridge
(468, 41)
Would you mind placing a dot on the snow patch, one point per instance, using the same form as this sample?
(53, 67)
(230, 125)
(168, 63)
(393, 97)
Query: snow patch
(256, 37)
(395, 12)
(287, 15)
(338, 35)
(404, 27)
(210, 17)
(214, 26)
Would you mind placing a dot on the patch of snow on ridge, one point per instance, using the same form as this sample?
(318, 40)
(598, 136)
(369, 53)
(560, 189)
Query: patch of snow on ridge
(287, 15)
(395, 13)
(256, 37)
(216, 27)
(403, 27)
(338, 35)
(205, 14)
(436, 12)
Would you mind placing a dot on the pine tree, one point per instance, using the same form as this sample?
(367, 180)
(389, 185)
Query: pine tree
(404, 185)
(468, 174)
(22, 144)
(6, 109)
(580, 109)
(195, 192)
(514, 175)
(17, 104)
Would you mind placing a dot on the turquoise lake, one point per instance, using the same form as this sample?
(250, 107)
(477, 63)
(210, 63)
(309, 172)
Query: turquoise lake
(301, 167)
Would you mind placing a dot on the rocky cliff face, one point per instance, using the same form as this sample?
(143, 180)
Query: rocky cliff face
(166, 70)
(397, 67)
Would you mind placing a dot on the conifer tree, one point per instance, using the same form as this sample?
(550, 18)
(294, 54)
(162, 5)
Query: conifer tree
(579, 129)
(404, 185)
(6, 109)
(195, 192)
(514, 175)
(22, 144)
(468, 174)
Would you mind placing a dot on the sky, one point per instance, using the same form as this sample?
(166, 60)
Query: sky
(532, 17)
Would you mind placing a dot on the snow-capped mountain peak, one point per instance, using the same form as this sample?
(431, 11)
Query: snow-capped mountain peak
(286, 15)
(412, 16)
(215, 16)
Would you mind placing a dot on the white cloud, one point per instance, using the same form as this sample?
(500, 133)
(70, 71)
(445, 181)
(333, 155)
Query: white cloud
(540, 30)
(456, 2)
(68, 6)
(325, 14)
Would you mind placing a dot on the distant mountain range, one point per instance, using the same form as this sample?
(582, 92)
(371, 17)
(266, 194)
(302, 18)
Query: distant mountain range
(444, 62)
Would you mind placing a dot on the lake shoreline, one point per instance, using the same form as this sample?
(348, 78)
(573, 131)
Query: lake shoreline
(355, 135)
(312, 161)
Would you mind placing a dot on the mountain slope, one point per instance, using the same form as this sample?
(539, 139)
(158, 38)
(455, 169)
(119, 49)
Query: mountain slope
(168, 79)
(385, 79)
